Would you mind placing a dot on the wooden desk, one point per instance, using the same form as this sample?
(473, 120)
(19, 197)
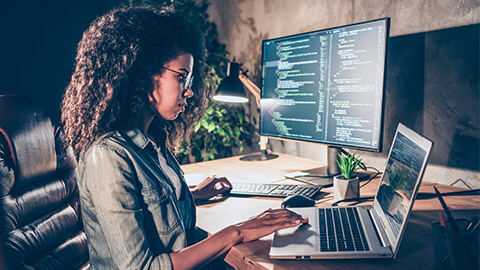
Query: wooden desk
(416, 250)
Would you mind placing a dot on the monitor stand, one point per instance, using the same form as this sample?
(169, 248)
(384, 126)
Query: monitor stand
(264, 155)
(323, 176)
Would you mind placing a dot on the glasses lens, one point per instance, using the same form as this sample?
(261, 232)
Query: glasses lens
(189, 81)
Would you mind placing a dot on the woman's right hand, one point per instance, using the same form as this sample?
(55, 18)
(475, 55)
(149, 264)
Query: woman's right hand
(210, 248)
(268, 222)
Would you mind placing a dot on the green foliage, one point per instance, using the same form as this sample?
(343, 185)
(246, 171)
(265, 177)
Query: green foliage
(223, 128)
(220, 130)
(398, 178)
(348, 164)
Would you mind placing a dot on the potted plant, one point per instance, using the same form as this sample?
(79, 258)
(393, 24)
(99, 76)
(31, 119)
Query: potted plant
(346, 185)
(398, 180)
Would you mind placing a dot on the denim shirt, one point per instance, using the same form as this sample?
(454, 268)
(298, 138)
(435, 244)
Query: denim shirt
(130, 210)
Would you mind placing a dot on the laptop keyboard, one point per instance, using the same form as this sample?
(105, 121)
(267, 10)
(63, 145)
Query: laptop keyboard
(341, 230)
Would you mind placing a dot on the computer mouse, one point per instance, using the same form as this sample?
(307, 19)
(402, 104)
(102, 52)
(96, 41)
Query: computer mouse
(297, 201)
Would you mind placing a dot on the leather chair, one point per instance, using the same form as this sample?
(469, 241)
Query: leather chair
(40, 222)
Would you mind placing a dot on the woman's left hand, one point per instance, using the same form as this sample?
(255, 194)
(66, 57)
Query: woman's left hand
(210, 187)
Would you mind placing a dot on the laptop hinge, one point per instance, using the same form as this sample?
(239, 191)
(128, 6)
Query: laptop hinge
(379, 228)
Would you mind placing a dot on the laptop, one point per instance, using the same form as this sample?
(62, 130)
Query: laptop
(367, 231)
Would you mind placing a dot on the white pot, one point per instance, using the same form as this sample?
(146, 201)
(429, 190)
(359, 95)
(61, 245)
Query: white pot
(346, 188)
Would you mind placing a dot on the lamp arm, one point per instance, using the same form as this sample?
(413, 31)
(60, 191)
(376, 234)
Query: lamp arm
(253, 88)
(250, 86)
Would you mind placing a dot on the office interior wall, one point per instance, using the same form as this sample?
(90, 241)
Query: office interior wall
(432, 74)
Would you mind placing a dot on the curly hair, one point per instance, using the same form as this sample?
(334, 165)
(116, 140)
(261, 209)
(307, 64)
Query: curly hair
(116, 60)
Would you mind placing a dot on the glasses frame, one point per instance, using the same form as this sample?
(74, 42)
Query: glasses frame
(187, 78)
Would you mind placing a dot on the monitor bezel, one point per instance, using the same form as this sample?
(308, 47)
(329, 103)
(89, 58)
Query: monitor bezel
(381, 130)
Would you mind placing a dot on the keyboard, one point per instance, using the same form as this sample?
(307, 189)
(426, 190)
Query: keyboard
(341, 230)
(274, 190)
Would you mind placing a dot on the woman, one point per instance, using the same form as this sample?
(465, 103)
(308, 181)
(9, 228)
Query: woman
(125, 106)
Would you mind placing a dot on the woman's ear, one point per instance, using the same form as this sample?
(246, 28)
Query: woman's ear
(151, 99)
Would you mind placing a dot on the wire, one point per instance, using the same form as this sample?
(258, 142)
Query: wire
(354, 200)
(460, 180)
(420, 196)
(427, 195)
(362, 199)
(371, 177)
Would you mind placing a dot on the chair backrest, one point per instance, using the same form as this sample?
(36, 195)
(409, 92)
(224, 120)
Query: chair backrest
(40, 222)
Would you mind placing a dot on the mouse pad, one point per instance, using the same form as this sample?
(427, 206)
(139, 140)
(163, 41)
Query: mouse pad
(326, 181)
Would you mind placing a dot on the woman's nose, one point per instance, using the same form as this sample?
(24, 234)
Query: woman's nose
(188, 93)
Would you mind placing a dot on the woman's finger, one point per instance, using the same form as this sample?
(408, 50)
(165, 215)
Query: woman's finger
(278, 215)
(222, 190)
(225, 182)
(221, 183)
(286, 224)
(280, 212)
(281, 220)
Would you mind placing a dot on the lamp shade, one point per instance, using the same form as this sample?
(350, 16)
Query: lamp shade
(231, 88)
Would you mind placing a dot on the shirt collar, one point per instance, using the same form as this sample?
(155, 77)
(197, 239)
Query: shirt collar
(141, 141)
(137, 138)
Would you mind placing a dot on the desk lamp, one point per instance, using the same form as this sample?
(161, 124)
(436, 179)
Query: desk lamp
(231, 90)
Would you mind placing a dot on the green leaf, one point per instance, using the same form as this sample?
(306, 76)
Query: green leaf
(348, 164)
(197, 126)
(210, 127)
(237, 132)
(218, 114)
(209, 110)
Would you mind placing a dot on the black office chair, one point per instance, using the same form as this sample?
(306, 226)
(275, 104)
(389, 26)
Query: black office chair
(40, 222)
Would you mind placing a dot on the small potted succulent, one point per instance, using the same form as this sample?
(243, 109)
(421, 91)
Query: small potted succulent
(346, 185)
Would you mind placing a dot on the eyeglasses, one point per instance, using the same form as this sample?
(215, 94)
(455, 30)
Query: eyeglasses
(186, 79)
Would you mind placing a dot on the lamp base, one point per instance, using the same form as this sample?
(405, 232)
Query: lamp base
(258, 157)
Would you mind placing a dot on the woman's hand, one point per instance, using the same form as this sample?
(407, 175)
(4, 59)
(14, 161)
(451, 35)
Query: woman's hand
(210, 248)
(268, 222)
(210, 187)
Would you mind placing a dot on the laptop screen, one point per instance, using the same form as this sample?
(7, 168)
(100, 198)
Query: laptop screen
(402, 172)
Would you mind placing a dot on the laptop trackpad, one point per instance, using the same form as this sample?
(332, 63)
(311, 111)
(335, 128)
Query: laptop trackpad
(301, 240)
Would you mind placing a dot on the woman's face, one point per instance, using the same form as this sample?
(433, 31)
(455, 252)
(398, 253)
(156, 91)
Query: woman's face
(171, 89)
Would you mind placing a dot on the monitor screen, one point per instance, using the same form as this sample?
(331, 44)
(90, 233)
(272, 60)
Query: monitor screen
(326, 86)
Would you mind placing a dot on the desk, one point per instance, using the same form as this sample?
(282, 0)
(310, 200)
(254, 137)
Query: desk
(416, 250)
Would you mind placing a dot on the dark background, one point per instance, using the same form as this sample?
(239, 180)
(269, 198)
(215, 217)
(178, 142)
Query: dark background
(37, 46)
(433, 88)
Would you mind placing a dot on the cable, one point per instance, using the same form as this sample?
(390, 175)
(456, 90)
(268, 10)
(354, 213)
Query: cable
(460, 180)
(420, 196)
(427, 195)
(371, 177)
(355, 200)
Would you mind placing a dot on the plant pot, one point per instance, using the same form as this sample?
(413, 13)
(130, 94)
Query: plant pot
(346, 188)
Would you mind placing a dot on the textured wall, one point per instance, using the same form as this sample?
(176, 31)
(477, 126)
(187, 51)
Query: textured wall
(432, 75)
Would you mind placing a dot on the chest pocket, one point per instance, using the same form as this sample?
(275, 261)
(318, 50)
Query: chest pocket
(160, 212)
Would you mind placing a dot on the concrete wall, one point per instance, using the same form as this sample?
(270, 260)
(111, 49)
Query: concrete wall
(432, 75)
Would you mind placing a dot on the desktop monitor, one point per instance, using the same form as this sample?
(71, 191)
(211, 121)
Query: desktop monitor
(326, 86)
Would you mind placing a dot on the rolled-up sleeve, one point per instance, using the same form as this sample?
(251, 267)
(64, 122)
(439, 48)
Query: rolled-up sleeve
(111, 183)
